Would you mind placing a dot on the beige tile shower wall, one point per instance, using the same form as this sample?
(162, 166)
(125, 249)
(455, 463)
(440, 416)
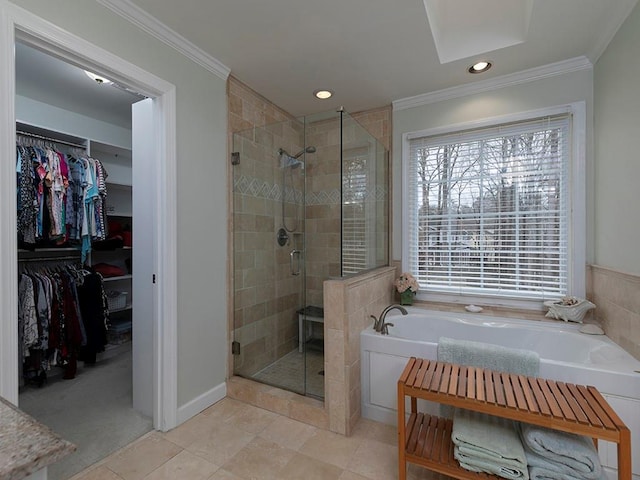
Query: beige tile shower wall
(266, 295)
(617, 299)
(348, 306)
(378, 123)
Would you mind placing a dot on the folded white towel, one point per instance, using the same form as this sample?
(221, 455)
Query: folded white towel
(566, 453)
(488, 444)
(543, 469)
(482, 465)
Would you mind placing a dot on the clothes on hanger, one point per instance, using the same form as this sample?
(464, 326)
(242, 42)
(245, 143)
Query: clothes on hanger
(61, 197)
(63, 317)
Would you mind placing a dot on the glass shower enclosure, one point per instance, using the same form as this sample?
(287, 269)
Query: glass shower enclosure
(310, 203)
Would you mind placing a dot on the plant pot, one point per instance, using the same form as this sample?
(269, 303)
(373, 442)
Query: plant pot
(406, 297)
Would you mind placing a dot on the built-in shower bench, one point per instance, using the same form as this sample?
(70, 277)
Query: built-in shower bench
(426, 440)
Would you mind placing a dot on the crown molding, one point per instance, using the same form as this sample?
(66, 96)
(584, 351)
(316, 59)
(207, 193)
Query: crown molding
(143, 20)
(525, 76)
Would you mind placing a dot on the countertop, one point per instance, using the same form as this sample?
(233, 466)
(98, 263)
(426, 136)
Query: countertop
(26, 446)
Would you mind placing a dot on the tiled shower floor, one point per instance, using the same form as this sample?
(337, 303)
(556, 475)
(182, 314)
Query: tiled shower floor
(288, 373)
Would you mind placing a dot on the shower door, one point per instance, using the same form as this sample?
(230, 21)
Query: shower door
(268, 255)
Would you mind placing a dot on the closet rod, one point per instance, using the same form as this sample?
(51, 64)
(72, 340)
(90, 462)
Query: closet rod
(50, 139)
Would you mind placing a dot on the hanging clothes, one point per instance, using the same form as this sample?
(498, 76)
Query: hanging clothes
(61, 198)
(63, 317)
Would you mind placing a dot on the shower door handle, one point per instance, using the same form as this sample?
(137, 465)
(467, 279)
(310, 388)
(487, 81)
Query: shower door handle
(293, 256)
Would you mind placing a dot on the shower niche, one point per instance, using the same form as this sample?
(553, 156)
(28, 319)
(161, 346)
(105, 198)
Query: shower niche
(310, 202)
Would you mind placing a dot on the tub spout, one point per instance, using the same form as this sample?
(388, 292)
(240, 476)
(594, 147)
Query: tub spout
(379, 325)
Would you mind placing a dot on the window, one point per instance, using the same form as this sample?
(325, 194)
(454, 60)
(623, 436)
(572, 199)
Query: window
(356, 206)
(488, 210)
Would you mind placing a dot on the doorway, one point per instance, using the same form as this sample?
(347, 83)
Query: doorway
(159, 355)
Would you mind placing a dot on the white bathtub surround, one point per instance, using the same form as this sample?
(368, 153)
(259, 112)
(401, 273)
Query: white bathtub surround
(565, 355)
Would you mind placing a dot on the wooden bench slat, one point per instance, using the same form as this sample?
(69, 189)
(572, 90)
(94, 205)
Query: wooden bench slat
(508, 390)
(551, 400)
(488, 387)
(429, 375)
(573, 403)
(594, 400)
(422, 371)
(407, 370)
(541, 401)
(564, 405)
(532, 406)
(437, 443)
(423, 434)
(471, 382)
(444, 381)
(584, 405)
(521, 402)
(462, 381)
(414, 371)
(453, 380)
(437, 375)
(428, 446)
(416, 421)
(480, 393)
(499, 388)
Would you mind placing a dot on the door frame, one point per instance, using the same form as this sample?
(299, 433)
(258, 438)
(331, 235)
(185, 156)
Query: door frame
(17, 23)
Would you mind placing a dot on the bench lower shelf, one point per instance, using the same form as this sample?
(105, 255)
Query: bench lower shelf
(428, 443)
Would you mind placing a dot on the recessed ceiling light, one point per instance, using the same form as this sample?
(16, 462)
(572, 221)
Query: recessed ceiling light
(98, 78)
(479, 67)
(323, 94)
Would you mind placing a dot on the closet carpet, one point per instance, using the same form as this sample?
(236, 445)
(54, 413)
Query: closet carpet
(93, 411)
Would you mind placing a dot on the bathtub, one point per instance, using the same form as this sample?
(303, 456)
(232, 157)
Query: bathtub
(565, 355)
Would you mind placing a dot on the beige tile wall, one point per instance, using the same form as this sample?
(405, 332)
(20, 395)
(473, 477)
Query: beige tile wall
(348, 306)
(617, 299)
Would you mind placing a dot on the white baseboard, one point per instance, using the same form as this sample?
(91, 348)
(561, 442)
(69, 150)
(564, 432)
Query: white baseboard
(198, 404)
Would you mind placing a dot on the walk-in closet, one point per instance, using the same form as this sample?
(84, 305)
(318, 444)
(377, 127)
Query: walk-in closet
(75, 225)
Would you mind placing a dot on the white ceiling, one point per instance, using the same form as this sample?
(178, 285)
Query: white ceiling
(46, 79)
(369, 52)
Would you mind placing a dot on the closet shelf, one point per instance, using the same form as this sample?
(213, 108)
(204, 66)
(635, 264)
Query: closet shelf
(123, 309)
(115, 279)
(119, 214)
(50, 249)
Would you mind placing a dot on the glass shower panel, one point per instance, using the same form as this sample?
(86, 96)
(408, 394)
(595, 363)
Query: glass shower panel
(365, 212)
(309, 204)
(268, 197)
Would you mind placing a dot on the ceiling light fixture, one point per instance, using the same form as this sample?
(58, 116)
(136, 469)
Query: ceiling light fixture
(479, 67)
(98, 78)
(323, 94)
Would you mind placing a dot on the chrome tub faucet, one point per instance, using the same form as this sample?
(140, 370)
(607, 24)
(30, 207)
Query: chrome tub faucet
(379, 324)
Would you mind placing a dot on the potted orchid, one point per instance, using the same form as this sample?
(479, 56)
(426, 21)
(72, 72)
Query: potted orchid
(407, 286)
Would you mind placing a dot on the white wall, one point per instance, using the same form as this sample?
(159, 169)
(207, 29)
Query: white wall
(44, 115)
(201, 183)
(552, 91)
(617, 165)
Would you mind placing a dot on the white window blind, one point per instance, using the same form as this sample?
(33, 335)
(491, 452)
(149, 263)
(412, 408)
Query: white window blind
(489, 210)
(355, 198)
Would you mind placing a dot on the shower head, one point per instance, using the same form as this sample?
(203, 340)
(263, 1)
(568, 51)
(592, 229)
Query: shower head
(309, 149)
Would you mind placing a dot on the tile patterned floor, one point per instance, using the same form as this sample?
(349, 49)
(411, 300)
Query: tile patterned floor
(291, 371)
(235, 441)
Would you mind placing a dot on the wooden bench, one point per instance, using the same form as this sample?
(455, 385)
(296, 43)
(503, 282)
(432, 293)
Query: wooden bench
(426, 440)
